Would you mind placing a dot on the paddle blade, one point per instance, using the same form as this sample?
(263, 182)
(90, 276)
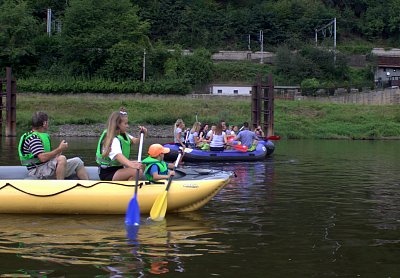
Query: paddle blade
(132, 232)
(132, 216)
(274, 137)
(157, 212)
(241, 148)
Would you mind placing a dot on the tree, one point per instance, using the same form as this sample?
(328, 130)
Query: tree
(196, 67)
(124, 62)
(18, 29)
(92, 28)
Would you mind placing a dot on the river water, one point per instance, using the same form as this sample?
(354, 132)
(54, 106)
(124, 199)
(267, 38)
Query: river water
(313, 209)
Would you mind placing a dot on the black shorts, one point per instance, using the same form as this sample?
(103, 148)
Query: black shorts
(107, 174)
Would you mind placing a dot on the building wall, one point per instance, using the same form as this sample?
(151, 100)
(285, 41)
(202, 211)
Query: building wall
(382, 73)
(230, 90)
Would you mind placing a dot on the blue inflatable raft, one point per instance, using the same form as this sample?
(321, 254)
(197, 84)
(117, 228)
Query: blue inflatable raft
(263, 149)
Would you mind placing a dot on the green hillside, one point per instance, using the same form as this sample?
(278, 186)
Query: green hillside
(109, 41)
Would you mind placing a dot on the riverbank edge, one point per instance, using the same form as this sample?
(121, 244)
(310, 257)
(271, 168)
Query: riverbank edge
(95, 130)
(153, 131)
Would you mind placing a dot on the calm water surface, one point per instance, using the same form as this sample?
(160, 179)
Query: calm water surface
(314, 209)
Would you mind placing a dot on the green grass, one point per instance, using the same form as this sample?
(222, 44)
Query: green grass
(293, 119)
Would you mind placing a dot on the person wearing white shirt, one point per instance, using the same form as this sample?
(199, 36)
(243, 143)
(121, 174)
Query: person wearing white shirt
(218, 139)
(113, 150)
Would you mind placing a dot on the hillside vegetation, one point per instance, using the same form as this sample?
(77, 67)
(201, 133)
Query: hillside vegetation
(107, 41)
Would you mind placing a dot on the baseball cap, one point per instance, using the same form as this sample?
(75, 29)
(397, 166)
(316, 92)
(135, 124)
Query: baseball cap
(157, 149)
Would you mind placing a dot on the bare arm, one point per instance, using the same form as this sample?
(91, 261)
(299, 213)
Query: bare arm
(157, 176)
(46, 156)
(127, 163)
(178, 138)
(196, 139)
(136, 140)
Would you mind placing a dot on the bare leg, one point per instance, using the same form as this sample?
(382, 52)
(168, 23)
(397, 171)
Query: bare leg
(82, 173)
(125, 174)
(61, 167)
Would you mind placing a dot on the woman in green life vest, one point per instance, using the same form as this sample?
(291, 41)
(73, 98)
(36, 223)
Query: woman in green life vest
(113, 149)
(156, 167)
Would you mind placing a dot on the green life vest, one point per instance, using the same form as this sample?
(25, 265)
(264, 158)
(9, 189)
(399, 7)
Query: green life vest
(106, 161)
(29, 159)
(150, 161)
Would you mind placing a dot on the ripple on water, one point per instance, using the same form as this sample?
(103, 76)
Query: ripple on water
(102, 241)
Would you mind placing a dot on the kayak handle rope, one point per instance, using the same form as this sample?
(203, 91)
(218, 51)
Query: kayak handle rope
(68, 189)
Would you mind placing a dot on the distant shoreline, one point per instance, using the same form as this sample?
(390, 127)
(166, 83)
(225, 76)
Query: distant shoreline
(95, 130)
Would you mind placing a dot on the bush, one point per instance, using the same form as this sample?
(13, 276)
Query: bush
(49, 86)
(309, 86)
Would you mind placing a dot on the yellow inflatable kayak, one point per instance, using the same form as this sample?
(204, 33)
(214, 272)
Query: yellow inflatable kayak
(190, 190)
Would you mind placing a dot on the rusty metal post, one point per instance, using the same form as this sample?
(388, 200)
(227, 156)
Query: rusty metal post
(265, 110)
(256, 102)
(271, 105)
(1, 107)
(11, 107)
(253, 104)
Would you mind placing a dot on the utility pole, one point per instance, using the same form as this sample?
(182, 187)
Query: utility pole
(316, 37)
(144, 65)
(334, 39)
(49, 22)
(331, 25)
(248, 43)
(262, 46)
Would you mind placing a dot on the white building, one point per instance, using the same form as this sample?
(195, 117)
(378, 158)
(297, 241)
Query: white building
(219, 89)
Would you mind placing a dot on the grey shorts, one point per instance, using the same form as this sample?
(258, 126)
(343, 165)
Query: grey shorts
(48, 170)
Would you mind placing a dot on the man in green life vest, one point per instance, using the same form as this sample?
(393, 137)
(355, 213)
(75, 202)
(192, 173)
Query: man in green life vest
(42, 162)
(156, 167)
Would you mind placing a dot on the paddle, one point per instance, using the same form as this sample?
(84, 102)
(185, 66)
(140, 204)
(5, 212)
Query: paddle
(186, 142)
(241, 148)
(273, 137)
(157, 212)
(132, 216)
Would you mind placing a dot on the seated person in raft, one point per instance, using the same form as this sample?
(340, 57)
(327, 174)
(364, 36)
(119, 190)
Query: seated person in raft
(41, 160)
(218, 139)
(179, 134)
(114, 147)
(194, 138)
(247, 138)
(155, 166)
(259, 133)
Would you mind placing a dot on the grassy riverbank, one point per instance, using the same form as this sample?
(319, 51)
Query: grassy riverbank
(293, 119)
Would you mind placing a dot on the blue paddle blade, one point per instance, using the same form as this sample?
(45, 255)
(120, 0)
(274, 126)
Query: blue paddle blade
(132, 216)
(132, 232)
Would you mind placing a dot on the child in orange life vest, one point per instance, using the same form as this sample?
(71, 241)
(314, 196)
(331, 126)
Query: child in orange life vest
(156, 167)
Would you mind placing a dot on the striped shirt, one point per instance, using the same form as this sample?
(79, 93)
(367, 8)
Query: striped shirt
(34, 146)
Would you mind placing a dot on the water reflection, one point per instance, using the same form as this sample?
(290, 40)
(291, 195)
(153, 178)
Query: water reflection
(9, 154)
(102, 242)
(314, 209)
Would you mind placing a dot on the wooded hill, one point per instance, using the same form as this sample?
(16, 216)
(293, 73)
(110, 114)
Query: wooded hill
(105, 40)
